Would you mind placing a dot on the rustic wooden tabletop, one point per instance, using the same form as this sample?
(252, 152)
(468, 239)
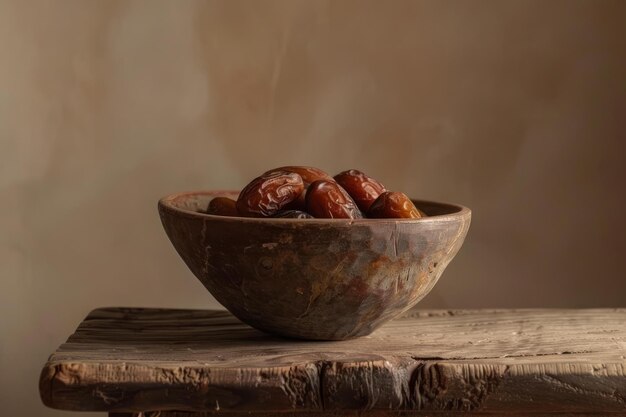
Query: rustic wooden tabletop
(191, 363)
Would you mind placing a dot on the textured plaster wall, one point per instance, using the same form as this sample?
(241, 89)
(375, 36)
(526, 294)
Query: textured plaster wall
(514, 108)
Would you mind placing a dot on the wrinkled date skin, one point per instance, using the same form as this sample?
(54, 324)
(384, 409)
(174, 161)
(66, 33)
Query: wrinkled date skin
(362, 188)
(393, 205)
(270, 193)
(223, 206)
(293, 214)
(309, 175)
(326, 199)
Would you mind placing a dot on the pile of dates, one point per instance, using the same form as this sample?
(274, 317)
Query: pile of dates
(307, 192)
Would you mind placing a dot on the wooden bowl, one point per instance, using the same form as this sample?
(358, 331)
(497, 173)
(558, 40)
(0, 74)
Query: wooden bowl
(324, 279)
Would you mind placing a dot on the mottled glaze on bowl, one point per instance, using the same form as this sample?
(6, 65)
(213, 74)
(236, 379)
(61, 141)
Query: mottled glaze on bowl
(323, 279)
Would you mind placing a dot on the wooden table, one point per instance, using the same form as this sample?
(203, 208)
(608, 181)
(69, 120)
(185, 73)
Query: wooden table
(149, 362)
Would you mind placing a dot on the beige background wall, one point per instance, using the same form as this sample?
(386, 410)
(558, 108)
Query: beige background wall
(514, 108)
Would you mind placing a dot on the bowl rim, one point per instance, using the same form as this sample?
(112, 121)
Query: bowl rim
(166, 203)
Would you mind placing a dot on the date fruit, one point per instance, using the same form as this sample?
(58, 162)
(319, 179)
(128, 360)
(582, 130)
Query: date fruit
(293, 214)
(268, 194)
(326, 199)
(362, 188)
(308, 174)
(299, 203)
(223, 206)
(302, 192)
(393, 204)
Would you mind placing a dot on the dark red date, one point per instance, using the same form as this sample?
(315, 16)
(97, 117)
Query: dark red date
(326, 199)
(299, 203)
(293, 214)
(393, 204)
(223, 206)
(362, 188)
(268, 194)
(308, 175)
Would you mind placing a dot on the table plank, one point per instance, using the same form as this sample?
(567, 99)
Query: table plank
(534, 361)
(352, 413)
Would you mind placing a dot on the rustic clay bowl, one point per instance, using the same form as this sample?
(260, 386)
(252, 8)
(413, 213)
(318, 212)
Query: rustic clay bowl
(325, 279)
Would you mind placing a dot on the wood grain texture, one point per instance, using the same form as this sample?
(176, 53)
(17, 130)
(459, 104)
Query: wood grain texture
(531, 361)
(348, 413)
